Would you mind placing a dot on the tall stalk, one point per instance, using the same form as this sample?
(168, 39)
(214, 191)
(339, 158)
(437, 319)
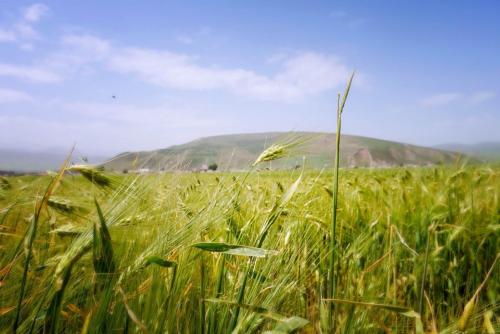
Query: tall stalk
(333, 237)
(424, 274)
(202, 297)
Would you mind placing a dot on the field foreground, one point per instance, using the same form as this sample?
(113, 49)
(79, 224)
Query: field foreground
(414, 247)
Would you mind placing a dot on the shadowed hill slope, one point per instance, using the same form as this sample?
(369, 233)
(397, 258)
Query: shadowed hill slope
(238, 151)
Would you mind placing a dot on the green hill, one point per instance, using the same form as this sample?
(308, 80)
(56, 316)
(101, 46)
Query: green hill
(238, 151)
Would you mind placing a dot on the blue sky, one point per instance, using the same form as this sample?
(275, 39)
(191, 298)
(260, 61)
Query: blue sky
(428, 72)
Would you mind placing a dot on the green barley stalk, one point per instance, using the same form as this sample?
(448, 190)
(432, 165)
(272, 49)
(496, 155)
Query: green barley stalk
(202, 296)
(333, 238)
(424, 274)
(94, 175)
(53, 313)
(272, 218)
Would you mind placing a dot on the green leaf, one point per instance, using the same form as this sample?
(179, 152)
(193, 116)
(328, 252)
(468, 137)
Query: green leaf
(408, 312)
(394, 308)
(161, 262)
(257, 276)
(289, 325)
(285, 325)
(220, 247)
(257, 309)
(54, 311)
(102, 247)
(287, 196)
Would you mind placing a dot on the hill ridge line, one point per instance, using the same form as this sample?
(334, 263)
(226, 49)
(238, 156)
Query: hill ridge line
(237, 151)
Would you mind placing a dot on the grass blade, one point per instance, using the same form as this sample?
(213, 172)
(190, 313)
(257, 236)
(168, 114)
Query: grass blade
(54, 310)
(102, 247)
(286, 324)
(160, 262)
(220, 247)
(131, 314)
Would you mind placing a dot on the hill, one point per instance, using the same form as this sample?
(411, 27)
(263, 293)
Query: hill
(238, 151)
(488, 151)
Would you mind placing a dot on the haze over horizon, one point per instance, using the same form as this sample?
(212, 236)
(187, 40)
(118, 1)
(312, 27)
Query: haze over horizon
(114, 76)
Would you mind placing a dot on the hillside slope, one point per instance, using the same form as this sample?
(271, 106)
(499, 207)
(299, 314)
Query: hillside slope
(487, 151)
(237, 152)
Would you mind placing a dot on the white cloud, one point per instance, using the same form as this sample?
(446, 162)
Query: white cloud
(13, 96)
(29, 73)
(302, 75)
(76, 52)
(7, 36)
(27, 47)
(22, 31)
(26, 31)
(35, 12)
(440, 99)
(299, 75)
(449, 98)
(79, 50)
(480, 97)
(88, 44)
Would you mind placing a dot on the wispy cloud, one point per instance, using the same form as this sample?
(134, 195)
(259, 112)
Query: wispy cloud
(80, 49)
(35, 12)
(483, 96)
(29, 73)
(300, 75)
(445, 99)
(440, 99)
(23, 31)
(7, 36)
(13, 96)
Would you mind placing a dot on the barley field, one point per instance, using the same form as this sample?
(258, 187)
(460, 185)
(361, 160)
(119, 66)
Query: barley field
(414, 251)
